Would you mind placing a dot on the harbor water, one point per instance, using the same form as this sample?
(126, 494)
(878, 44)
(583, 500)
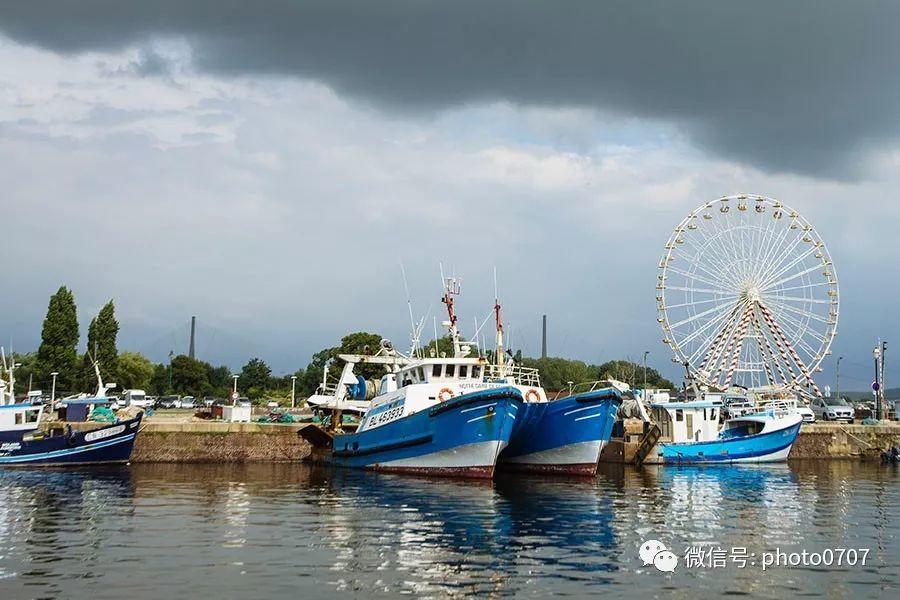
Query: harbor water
(294, 531)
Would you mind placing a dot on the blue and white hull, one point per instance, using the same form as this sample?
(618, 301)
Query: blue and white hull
(110, 444)
(773, 444)
(459, 437)
(563, 436)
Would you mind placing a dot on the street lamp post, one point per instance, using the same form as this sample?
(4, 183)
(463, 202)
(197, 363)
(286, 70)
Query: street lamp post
(837, 378)
(53, 391)
(293, 390)
(644, 392)
(571, 383)
(234, 395)
(876, 385)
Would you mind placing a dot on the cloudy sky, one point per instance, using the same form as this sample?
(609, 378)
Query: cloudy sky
(267, 166)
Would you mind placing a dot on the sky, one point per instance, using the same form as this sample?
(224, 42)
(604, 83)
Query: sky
(268, 166)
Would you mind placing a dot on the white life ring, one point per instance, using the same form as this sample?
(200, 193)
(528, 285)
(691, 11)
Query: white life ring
(445, 394)
(532, 395)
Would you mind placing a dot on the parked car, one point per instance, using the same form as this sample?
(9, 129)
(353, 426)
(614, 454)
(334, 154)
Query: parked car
(244, 401)
(209, 401)
(188, 402)
(169, 402)
(806, 412)
(138, 398)
(832, 409)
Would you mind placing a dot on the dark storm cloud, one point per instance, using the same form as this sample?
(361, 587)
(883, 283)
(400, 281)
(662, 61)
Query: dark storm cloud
(803, 86)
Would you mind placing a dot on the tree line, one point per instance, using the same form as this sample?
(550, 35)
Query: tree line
(183, 375)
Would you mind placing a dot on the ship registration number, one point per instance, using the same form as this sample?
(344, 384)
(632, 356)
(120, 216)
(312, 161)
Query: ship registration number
(386, 416)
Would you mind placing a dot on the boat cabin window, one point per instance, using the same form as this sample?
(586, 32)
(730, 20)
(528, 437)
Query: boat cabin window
(450, 371)
(436, 371)
(476, 372)
(679, 415)
(463, 371)
(20, 418)
(712, 414)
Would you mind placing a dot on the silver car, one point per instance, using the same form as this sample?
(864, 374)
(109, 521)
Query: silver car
(832, 409)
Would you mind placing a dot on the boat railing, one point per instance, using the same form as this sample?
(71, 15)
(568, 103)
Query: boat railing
(778, 407)
(327, 389)
(524, 376)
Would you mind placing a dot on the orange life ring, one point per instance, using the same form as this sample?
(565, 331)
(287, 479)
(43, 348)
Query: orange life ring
(449, 393)
(532, 393)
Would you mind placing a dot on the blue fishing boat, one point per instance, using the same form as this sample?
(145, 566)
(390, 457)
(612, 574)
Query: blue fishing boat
(562, 436)
(462, 436)
(22, 444)
(764, 436)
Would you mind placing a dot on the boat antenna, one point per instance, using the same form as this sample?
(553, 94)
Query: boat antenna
(414, 332)
(498, 319)
(436, 353)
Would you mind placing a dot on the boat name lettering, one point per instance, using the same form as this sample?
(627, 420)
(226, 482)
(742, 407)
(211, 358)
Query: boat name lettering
(103, 433)
(10, 446)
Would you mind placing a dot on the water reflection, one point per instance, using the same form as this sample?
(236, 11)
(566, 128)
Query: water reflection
(289, 530)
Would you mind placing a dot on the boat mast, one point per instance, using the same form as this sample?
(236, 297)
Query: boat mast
(498, 319)
(451, 288)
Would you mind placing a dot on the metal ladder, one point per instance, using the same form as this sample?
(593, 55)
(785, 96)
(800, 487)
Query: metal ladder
(648, 441)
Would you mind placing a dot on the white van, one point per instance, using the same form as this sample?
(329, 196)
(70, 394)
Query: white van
(136, 398)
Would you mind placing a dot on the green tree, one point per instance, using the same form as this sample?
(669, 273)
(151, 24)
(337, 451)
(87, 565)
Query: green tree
(556, 373)
(189, 376)
(135, 371)
(101, 347)
(633, 374)
(255, 378)
(159, 381)
(26, 372)
(360, 342)
(59, 340)
(220, 381)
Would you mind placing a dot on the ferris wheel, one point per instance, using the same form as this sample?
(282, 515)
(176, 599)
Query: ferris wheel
(747, 295)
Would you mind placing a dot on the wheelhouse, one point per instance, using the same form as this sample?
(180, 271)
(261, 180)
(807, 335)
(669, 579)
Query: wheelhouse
(20, 417)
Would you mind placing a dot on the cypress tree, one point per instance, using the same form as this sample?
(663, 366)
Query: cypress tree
(101, 345)
(59, 339)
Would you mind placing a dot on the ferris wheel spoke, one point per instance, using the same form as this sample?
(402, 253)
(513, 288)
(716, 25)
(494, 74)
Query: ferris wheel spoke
(713, 345)
(717, 244)
(715, 337)
(803, 287)
(706, 251)
(774, 248)
(766, 239)
(799, 330)
(706, 259)
(695, 289)
(799, 299)
(710, 268)
(803, 313)
(791, 277)
(695, 302)
(780, 254)
(705, 327)
(799, 259)
(694, 276)
(700, 315)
